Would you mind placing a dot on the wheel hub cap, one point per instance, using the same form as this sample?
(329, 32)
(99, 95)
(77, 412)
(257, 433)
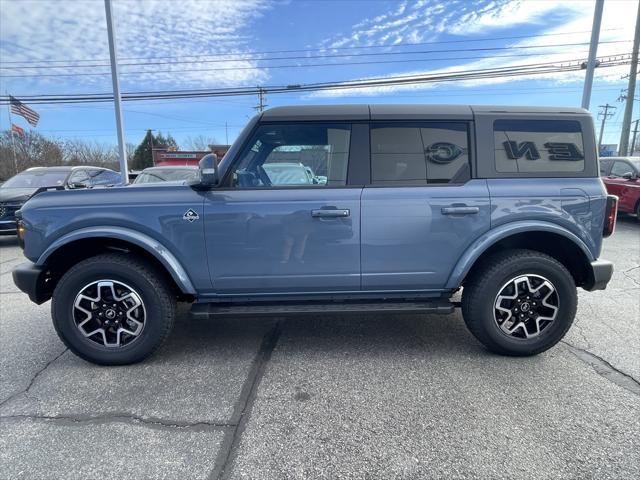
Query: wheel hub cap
(525, 306)
(109, 313)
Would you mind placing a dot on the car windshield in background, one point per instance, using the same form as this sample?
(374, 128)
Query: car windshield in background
(636, 163)
(166, 175)
(36, 180)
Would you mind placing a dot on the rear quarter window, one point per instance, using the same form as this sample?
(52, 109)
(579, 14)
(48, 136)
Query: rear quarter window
(538, 146)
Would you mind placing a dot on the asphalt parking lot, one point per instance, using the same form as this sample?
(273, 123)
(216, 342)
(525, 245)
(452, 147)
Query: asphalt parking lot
(328, 397)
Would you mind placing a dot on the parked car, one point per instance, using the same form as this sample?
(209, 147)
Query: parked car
(19, 188)
(289, 173)
(420, 201)
(621, 175)
(167, 174)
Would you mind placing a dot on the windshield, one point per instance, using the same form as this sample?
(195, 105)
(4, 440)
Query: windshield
(36, 179)
(166, 175)
(636, 163)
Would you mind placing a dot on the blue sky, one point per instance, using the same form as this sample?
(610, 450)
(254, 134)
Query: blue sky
(223, 39)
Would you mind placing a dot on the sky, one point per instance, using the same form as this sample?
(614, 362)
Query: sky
(60, 46)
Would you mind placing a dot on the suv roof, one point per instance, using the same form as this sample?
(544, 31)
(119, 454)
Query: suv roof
(64, 168)
(400, 111)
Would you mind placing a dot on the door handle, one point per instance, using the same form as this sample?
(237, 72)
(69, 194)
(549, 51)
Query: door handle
(330, 213)
(460, 210)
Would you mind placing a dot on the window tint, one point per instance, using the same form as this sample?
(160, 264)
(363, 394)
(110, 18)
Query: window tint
(530, 146)
(419, 153)
(302, 155)
(620, 168)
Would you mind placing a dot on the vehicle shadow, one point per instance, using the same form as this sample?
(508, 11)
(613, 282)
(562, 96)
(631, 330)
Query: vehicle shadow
(8, 241)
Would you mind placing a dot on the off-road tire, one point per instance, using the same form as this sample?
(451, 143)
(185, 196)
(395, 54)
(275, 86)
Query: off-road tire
(482, 287)
(158, 299)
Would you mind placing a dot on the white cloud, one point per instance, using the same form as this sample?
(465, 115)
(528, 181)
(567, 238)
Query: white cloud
(75, 30)
(617, 24)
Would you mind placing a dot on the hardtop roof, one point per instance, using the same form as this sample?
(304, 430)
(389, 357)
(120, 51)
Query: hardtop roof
(401, 111)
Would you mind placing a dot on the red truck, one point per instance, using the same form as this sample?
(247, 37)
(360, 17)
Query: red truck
(621, 175)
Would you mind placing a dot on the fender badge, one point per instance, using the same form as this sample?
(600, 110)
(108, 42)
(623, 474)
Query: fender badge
(190, 215)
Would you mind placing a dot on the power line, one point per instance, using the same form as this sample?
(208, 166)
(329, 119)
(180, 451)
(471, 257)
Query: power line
(489, 73)
(307, 57)
(379, 62)
(265, 52)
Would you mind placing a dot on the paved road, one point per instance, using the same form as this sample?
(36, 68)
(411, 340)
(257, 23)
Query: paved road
(382, 397)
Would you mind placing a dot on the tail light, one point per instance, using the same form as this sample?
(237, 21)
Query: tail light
(611, 212)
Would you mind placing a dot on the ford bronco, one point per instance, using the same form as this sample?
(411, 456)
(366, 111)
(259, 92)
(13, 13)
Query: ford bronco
(409, 204)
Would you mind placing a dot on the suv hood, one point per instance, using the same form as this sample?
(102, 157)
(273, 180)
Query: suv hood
(16, 195)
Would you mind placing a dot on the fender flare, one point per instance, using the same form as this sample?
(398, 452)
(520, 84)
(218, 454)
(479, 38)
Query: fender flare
(489, 238)
(151, 245)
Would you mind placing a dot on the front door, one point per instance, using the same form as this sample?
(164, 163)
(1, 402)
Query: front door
(284, 220)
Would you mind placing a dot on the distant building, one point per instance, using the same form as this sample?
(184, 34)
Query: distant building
(164, 157)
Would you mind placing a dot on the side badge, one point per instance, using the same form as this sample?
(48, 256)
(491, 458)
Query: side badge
(190, 215)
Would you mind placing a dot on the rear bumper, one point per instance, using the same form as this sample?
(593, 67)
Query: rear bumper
(32, 280)
(599, 275)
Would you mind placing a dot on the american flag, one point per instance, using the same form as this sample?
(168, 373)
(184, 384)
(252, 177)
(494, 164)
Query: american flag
(21, 109)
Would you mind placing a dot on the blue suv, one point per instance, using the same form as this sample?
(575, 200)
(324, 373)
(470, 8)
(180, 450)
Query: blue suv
(409, 204)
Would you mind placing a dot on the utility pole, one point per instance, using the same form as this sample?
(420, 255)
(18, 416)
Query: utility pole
(631, 92)
(593, 49)
(605, 115)
(261, 105)
(226, 134)
(633, 141)
(122, 152)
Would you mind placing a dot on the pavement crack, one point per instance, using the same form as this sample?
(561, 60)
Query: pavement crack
(125, 418)
(33, 379)
(605, 369)
(242, 412)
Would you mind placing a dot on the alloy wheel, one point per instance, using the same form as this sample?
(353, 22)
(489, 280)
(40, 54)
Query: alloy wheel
(525, 306)
(109, 313)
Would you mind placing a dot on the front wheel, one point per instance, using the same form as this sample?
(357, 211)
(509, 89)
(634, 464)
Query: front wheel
(519, 302)
(112, 309)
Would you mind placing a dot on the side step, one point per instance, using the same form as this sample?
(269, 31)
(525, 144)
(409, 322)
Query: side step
(207, 310)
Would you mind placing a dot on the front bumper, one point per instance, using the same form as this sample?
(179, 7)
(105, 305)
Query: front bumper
(8, 227)
(32, 280)
(599, 275)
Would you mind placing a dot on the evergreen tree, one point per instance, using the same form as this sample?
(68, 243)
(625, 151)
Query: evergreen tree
(142, 156)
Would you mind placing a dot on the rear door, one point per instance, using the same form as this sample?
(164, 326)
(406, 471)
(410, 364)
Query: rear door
(287, 220)
(422, 208)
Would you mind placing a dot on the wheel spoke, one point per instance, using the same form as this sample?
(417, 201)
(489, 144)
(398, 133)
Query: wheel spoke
(525, 306)
(109, 313)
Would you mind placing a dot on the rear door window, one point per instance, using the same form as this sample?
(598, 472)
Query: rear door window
(538, 146)
(419, 153)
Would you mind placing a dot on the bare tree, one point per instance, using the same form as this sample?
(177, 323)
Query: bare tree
(31, 150)
(199, 142)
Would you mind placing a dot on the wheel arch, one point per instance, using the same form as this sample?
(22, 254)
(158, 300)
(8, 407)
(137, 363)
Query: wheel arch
(84, 243)
(547, 238)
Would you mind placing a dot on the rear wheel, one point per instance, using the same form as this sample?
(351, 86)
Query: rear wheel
(112, 309)
(519, 302)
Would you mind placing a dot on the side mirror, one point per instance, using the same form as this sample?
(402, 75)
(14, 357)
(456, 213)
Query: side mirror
(628, 176)
(209, 170)
(75, 185)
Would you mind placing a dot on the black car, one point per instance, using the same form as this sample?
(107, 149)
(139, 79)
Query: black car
(18, 189)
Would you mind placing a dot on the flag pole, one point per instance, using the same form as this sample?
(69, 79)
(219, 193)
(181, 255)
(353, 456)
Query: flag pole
(13, 141)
